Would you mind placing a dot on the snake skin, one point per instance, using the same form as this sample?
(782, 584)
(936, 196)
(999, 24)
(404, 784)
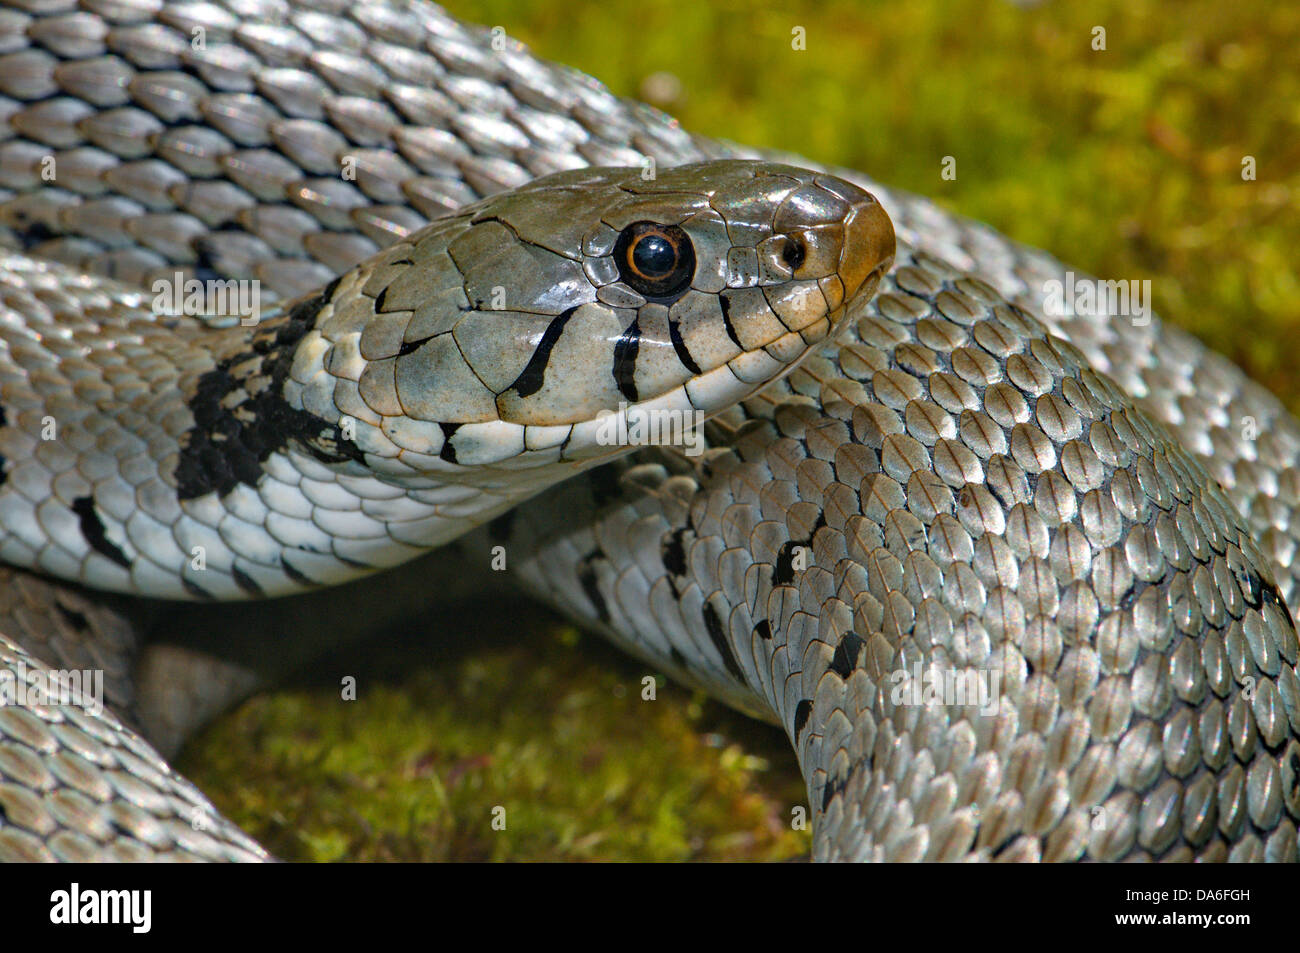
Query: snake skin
(1096, 510)
(79, 785)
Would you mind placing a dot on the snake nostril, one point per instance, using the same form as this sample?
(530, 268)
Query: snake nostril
(795, 252)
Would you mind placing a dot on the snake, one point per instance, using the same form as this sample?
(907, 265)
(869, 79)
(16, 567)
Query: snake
(1014, 579)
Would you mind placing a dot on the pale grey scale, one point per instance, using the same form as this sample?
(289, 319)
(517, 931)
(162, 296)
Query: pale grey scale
(280, 226)
(330, 200)
(316, 109)
(79, 785)
(196, 151)
(337, 250)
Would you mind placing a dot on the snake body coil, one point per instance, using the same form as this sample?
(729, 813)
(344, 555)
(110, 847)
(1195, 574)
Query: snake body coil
(954, 489)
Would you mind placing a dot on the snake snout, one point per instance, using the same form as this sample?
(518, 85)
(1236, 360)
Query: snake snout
(835, 234)
(849, 236)
(869, 246)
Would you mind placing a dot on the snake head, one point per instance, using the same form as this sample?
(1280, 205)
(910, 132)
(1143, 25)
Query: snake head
(506, 335)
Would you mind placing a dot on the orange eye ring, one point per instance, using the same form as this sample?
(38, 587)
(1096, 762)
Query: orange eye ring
(656, 261)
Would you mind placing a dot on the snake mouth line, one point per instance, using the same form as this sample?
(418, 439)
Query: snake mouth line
(872, 282)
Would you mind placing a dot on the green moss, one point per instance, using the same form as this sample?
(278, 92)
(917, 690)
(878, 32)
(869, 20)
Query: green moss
(552, 729)
(1125, 163)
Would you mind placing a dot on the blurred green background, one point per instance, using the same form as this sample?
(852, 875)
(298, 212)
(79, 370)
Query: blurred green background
(1126, 163)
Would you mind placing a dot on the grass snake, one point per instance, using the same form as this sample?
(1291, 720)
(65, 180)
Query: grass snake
(465, 255)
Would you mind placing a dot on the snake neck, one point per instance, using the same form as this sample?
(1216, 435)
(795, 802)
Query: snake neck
(160, 455)
(241, 414)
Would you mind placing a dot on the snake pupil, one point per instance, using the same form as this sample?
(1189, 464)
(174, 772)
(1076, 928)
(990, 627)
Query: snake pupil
(656, 261)
(653, 256)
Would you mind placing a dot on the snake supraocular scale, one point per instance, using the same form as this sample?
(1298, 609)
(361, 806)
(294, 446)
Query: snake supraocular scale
(959, 484)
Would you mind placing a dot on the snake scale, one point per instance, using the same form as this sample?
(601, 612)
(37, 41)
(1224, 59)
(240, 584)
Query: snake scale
(465, 255)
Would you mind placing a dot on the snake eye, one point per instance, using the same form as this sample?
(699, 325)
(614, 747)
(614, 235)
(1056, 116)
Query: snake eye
(656, 261)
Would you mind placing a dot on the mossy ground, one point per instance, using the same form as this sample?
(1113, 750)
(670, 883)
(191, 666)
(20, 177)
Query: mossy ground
(520, 713)
(1126, 163)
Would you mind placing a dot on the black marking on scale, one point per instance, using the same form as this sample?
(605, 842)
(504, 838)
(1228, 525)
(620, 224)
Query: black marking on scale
(590, 584)
(718, 636)
(845, 659)
(673, 554)
(410, 346)
(295, 574)
(95, 533)
(197, 591)
(801, 713)
(237, 427)
(679, 345)
(726, 320)
(448, 452)
(625, 352)
(246, 582)
(533, 376)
